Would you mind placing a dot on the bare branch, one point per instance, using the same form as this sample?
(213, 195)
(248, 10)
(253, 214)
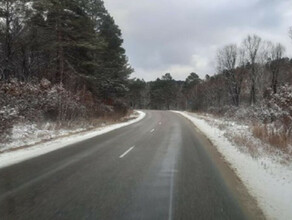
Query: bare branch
(227, 58)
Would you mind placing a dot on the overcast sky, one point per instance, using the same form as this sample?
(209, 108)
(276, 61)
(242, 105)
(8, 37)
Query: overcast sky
(182, 36)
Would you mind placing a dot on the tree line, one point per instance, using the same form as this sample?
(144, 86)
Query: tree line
(246, 75)
(75, 43)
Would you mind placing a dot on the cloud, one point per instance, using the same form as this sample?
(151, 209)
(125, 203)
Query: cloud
(182, 36)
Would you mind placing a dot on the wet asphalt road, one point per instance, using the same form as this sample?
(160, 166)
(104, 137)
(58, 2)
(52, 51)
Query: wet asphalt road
(157, 168)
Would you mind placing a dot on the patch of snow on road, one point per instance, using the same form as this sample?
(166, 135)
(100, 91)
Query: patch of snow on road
(266, 179)
(13, 157)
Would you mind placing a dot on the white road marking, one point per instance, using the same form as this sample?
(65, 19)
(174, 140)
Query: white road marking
(152, 130)
(124, 154)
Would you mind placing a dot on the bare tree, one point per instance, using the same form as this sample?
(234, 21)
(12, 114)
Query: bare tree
(274, 63)
(227, 59)
(252, 45)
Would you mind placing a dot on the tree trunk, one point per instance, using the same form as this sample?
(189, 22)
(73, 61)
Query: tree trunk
(274, 82)
(7, 46)
(253, 94)
(60, 71)
(60, 52)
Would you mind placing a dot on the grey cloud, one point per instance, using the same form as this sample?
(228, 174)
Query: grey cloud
(165, 35)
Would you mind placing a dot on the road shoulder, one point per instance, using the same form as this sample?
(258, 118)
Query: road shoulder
(247, 202)
(13, 157)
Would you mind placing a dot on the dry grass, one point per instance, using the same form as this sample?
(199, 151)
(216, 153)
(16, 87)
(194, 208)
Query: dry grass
(246, 145)
(279, 139)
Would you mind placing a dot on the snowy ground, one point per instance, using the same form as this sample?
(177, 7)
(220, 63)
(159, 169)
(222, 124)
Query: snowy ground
(13, 157)
(31, 134)
(264, 173)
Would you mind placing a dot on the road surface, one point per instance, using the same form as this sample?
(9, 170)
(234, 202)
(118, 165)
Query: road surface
(158, 168)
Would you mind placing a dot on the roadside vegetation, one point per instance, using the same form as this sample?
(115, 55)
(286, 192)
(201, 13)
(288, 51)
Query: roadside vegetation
(252, 86)
(62, 65)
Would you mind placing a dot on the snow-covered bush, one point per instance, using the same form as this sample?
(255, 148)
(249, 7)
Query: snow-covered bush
(60, 104)
(279, 105)
(270, 119)
(40, 102)
(276, 113)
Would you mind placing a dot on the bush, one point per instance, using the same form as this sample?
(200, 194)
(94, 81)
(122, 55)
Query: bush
(37, 102)
(276, 114)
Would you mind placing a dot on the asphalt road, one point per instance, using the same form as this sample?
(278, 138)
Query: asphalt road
(158, 168)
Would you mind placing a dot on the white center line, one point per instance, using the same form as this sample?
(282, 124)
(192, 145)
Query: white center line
(124, 154)
(152, 130)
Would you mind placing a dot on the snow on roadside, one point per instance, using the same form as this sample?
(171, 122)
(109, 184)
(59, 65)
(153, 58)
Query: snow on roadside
(32, 134)
(269, 181)
(13, 157)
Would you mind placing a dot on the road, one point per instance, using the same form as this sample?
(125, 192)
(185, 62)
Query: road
(158, 168)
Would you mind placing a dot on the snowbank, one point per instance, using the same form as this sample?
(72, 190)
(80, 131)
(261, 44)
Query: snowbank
(13, 157)
(24, 134)
(269, 181)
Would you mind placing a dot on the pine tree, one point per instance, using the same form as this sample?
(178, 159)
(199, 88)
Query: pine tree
(115, 70)
(72, 42)
(11, 30)
(69, 38)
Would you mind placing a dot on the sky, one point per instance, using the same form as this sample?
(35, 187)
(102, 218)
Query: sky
(183, 36)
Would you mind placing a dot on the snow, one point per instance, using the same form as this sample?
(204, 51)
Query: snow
(14, 157)
(29, 5)
(31, 134)
(268, 180)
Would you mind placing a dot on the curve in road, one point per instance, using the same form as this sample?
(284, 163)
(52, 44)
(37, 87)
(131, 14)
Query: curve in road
(158, 168)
